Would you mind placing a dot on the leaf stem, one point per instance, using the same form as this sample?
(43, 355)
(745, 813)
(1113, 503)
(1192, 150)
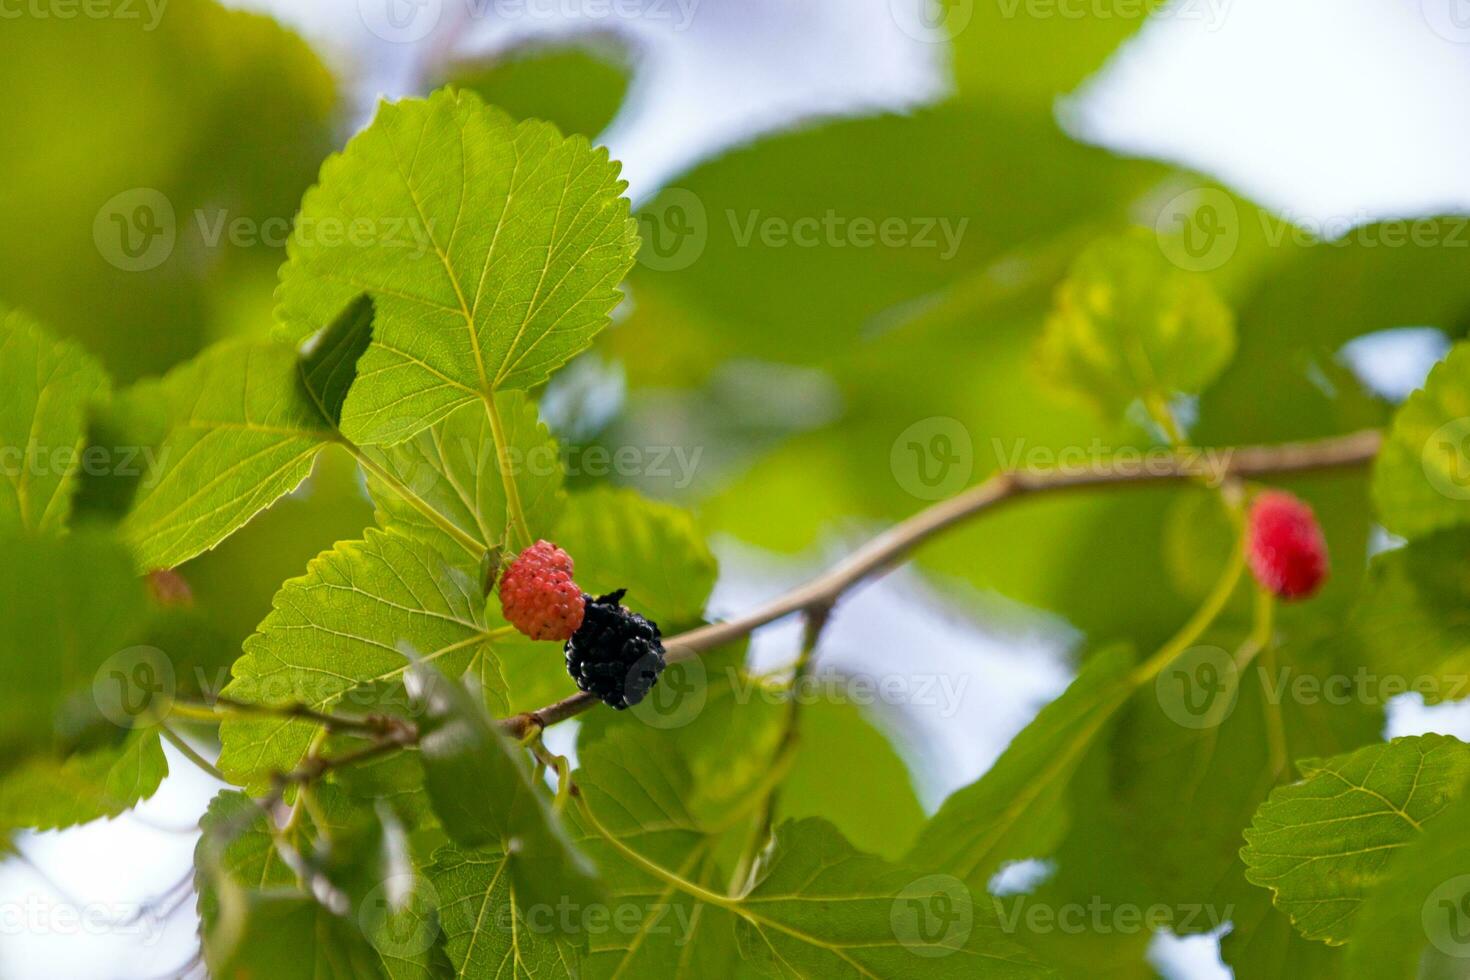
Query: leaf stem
(475, 547)
(189, 752)
(513, 510)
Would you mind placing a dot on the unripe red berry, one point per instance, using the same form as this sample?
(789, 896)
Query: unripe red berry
(538, 596)
(1285, 547)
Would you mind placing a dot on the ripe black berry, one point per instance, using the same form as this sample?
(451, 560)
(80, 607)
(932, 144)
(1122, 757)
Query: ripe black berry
(615, 654)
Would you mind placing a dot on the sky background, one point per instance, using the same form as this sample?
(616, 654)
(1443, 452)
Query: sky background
(1331, 112)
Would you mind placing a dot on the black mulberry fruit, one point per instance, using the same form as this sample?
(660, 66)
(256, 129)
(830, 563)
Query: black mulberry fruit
(616, 654)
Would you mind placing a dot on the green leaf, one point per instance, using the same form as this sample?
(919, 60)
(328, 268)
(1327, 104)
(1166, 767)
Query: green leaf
(295, 937)
(351, 622)
(1323, 844)
(66, 606)
(469, 764)
(620, 540)
(872, 805)
(49, 385)
(244, 430)
(771, 252)
(49, 794)
(1421, 482)
(639, 783)
(1411, 617)
(495, 255)
(485, 920)
(1019, 808)
(820, 908)
(1026, 52)
(1412, 925)
(452, 467)
(579, 87)
(1128, 325)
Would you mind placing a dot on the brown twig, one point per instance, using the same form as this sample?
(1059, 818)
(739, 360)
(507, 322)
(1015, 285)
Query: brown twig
(892, 546)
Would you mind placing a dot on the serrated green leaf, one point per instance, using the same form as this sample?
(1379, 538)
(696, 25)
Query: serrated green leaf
(484, 918)
(1019, 808)
(49, 386)
(620, 540)
(49, 794)
(244, 430)
(1413, 924)
(452, 466)
(496, 257)
(821, 908)
(348, 624)
(1323, 844)
(1421, 482)
(1127, 325)
(1412, 617)
(467, 763)
(66, 606)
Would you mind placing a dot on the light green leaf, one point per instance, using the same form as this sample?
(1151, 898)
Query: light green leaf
(1421, 482)
(66, 605)
(1413, 924)
(638, 782)
(620, 540)
(295, 937)
(482, 791)
(578, 86)
(1323, 844)
(452, 467)
(494, 255)
(491, 930)
(1413, 617)
(48, 386)
(244, 432)
(336, 632)
(820, 908)
(1127, 324)
(49, 794)
(1019, 808)
(873, 805)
